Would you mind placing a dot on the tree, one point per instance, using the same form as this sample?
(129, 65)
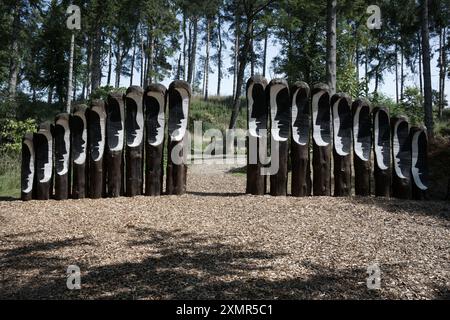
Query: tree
(331, 45)
(428, 92)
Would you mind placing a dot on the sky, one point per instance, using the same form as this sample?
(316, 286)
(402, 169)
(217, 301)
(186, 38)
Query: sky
(387, 87)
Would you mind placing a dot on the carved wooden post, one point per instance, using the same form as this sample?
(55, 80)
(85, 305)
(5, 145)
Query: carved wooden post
(419, 148)
(301, 125)
(79, 148)
(97, 139)
(135, 141)
(279, 101)
(342, 133)
(27, 172)
(401, 153)
(43, 148)
(382, 151)
(362, 146)
(179, 96)
(321, 130)
(115, 128)
(62, 156)
(155, 110)
(257, 126)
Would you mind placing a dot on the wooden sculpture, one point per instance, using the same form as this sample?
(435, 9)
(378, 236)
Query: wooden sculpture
(62, 156)
(401, 155)
(27, 172)
(43, 148)
(419, 151)
(382, 152)
(97, 139)
(79, 148)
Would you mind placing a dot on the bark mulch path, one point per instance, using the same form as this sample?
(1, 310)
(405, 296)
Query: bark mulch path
(216, 242)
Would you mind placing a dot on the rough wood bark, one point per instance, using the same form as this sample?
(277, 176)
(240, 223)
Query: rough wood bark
(401, 155)
(382, 152)
(179, 97)
(362, 146)
(28, 167)
(342, 133)
(115, 128)
(154, 110)
(321, 117)
(97, 140)
(301, 125)
(419, 148)
(62, 156)
(257, 127)
(135, 138)
(208, 36)
(219, 54)
(331, 45)
(79, 148)
(43, 146)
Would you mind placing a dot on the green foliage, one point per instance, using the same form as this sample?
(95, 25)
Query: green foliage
(103, 92)
(12, 132)
(10, 174)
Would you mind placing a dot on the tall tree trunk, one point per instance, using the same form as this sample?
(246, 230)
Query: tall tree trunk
(266, 38)
(396, 75)
(366, 73)
(442, 69)
(109, 63)
(208, 36)
(419, 39)
(96, 60)
(89, 73)
(118, 65)
(402, 75)
(331, 45)
(14, 57)
(184, 47)
(236, 54)
(178, 76)
(50, 96)
(428, 98)
(142, 60)
(193, 55)
(151, 54)
(252, 54)
(219, 54)
(133, 59)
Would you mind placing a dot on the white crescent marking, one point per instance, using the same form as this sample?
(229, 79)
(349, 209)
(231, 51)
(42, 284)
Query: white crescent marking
(316, 128)
(295, 131)
(358, 145)
(415, 156)
(160, 131)
(101, 144)
(252, 125)
(379, 149)
(120, 134)
(82, 157)
(140, 131)
(30, 178)
(274, 90)
(338, 145)
(396, 147)
(65, 160)
(49, 165)
(178, 134)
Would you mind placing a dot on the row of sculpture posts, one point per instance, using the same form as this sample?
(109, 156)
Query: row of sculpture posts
(347, 130)
(116, 147)
(99, 151)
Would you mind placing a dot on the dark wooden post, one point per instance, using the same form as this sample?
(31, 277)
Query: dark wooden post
(382, 152)
(115, 128)
(257, 126)
(62, 156)
(301, 125)
(419, 148)
(43, 148)
(401, 155)
(342, 151)
(135, 141)
(27, 172)
(155, 110)
(79, 148)
(179, 99)
(279, 101)
(97, 140)
(321, 131)
(362, 146)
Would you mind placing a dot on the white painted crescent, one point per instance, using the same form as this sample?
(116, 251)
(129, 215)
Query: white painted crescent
(178, 134)
(140, 130)
(65, 160)
(81, 159)
(274, 90)
(295, 130)
(120, 134)
(160, 131)
(101, 144)
(48, 167)
(252, 124)
(396, 151)
(358, 145)
(338, 144)
(317, 134)
(415, 158)
(30, 177)
(379, 149)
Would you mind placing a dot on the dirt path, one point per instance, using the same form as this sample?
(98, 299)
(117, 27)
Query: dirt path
(216, 242)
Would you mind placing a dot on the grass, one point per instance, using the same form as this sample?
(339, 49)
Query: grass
(10, 175)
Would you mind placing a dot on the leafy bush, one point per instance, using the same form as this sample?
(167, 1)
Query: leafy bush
(12, 132)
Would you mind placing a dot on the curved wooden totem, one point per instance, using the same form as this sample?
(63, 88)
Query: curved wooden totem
(257, 126)
(154, 109)
(27, 172)
(43, 148)
(115, 133)
(79, 137)
(301, 125)
(179, 97)
(362, 146)
(97, 140)
(321, 131)
(382, 152)
(62, 156)
(342, 133)
(135, 141)
(401, 155)
(280, 116)
(419, 148)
